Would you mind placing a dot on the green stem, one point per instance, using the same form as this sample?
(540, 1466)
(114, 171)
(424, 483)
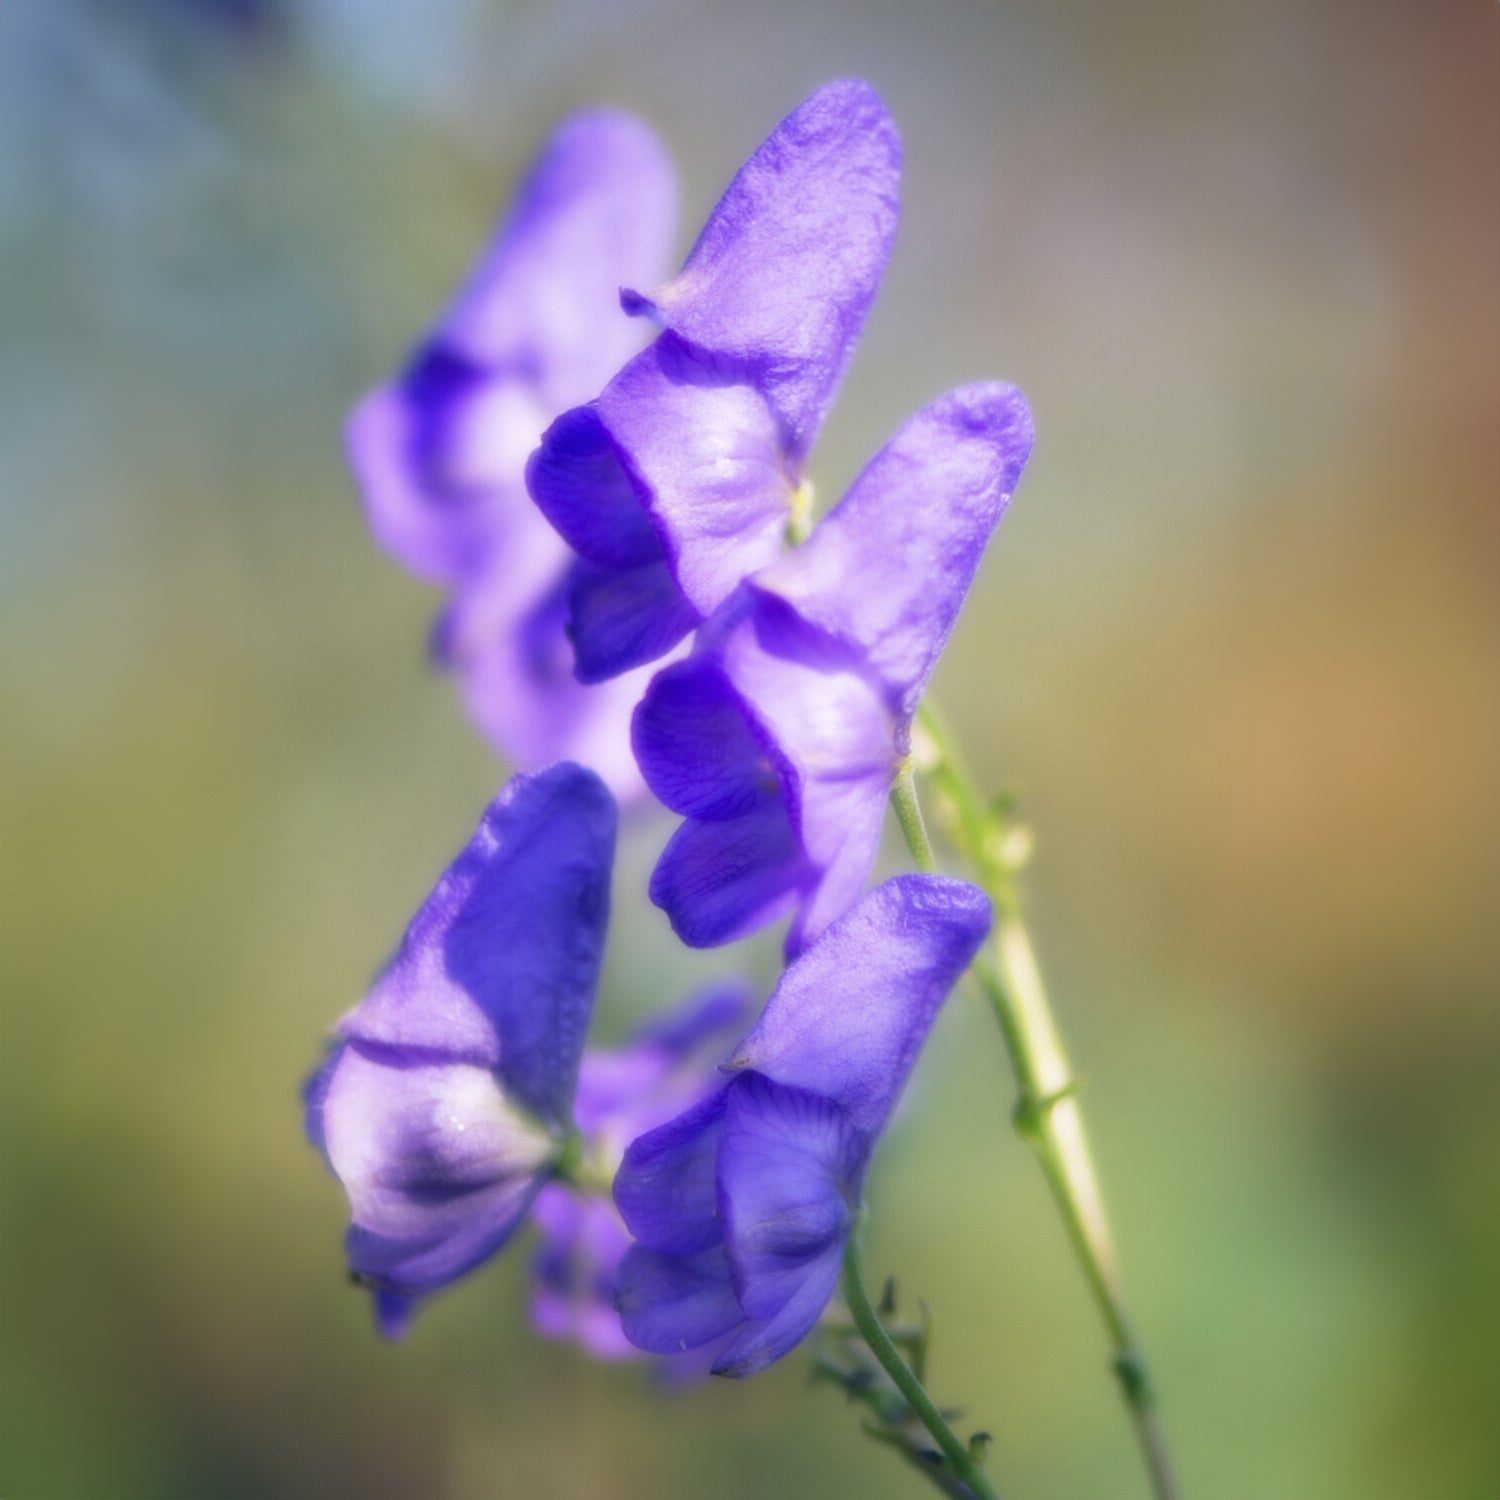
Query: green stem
(909, 815)
(1046, 1112)
(965, 1466)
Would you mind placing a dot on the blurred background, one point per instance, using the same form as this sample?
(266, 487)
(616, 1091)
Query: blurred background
(1235, 646)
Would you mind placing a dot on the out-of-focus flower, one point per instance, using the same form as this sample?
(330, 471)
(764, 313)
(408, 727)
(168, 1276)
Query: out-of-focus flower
(779, 738)
(665, 1067)
(741, 1207)
(680, 479)
(448, 1101)
(440, 452)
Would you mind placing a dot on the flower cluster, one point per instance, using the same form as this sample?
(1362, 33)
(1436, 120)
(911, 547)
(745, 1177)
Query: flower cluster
(590, 504)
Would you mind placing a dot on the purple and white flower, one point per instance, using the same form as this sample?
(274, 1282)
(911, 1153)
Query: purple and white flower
(440, 451)
(779, 738)
(681, 477)
(742, 1206)
(447, 1102)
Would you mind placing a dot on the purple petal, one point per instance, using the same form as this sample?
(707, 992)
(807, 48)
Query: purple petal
(439, 461)
(697, 746)
(393, 1313)
(834, 745)
(634, 1087)
(510, 592)
(888, 569)
(594, 1324)
(440, 452)
(785, 1163)
(613, 1087)
(582, 1243)
(721, 881)
(783, 274)
(620, 620)
(597, 209)
(518, 682)
(707, 456)
(579, 484)
(665, 1188)
(849, 1016)
(757, 1345)
(671, 1303)
(811, 691)
(667, 1066)
(499, 967)
(841, 823)
(439, 1166)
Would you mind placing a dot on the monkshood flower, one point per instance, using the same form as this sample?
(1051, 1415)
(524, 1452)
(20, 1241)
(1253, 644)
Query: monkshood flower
(680, 479)
(440, 452)
(447, 1103)
(742, 1206)
(665, 1067)
(780, 737)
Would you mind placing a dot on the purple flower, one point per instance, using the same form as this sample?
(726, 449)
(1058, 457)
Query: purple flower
(447, 1102)
(779, 738)
(679, 480)
(440, 452)
(664, 1068)
(742, 1206)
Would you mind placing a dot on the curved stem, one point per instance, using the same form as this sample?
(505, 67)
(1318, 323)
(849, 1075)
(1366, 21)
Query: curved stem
(964, 1465)
(1046, 1111)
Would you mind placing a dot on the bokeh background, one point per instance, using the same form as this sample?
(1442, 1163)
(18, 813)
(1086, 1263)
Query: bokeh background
(1235, 645)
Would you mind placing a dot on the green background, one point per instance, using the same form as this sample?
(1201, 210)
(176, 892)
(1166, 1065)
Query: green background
(1235, 645)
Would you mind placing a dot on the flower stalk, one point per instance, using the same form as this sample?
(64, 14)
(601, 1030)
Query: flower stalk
(908, 809)
(961, 1457)
(1046, 1114)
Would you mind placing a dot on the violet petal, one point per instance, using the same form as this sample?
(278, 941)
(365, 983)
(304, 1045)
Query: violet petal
(666, 1188)
(672, 1303)
(499, 967)
(439, 1166)
(783, 274)
(784, 1162)
(849, 1016)
(886, 572)
(621, 620)
(721, 881)
(758, 1344)
(697, 746)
